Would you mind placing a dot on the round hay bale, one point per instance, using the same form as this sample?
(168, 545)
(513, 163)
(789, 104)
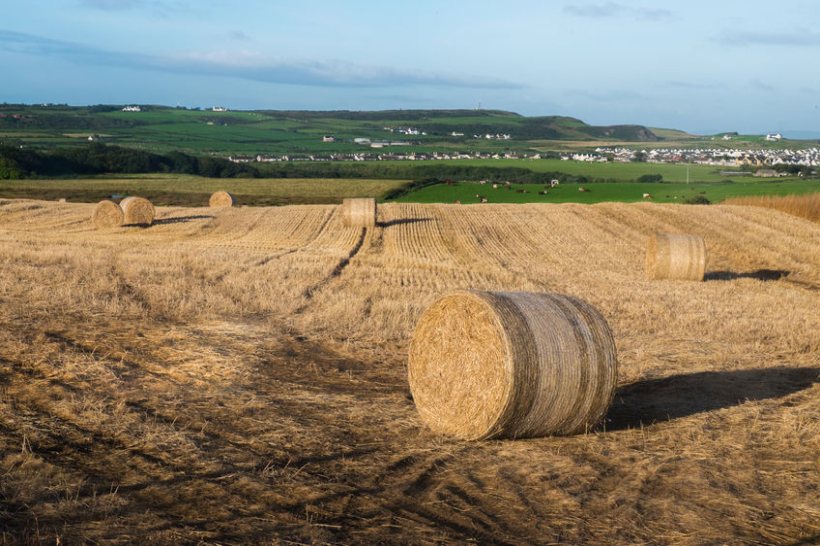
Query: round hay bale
(511, 365)
(359, 212)
(138, 211)
(107, 214)
(221, 199)
(675, 256)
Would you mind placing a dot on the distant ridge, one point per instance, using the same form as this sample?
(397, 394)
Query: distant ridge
(482, 121)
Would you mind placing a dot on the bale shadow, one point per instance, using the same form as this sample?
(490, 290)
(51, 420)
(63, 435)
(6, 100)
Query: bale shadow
(181, 219)
(659, 400)
(403, 221)
(759, 274)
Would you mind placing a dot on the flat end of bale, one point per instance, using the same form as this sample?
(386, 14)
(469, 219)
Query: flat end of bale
(221, 199)
(459, 369)
(107, 214)
(138, 211)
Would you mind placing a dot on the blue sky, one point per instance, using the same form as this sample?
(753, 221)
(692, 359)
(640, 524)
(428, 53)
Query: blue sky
(702, 66)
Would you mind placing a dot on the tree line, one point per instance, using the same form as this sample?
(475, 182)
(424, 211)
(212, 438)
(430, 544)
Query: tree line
(96, 158)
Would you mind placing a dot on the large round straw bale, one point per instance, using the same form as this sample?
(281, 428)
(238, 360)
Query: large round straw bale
(107, 214)
(675, 256)
(511, 365)
(359, 212)
(221, 199)
(138, 211)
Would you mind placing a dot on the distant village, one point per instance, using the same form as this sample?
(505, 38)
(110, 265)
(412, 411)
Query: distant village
(729, 158)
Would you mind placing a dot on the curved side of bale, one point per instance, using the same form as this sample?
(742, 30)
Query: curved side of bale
(511, 365)
(138, 211)
(359, 212)
(221, 199)
(675, 256)
(107, 214)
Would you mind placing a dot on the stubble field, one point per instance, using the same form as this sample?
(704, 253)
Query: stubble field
(238, 376)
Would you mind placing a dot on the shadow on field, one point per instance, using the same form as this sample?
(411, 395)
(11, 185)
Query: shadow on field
(403, 221)
(760, 274)
(181, 219)
(659, 400)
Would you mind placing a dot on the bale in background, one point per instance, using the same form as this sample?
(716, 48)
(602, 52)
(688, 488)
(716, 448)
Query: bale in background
(221, 199)
(511, 365)
(138, 211)
(359, 212)
(107, 214)
(675, 256)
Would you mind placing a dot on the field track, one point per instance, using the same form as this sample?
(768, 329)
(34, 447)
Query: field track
(238, 376)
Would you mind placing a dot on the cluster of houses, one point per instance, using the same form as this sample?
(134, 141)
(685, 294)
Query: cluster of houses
(763, 159)
(722, 157)
(381, 156)
(405, 131)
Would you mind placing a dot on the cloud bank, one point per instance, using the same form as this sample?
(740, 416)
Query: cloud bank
(244, 65)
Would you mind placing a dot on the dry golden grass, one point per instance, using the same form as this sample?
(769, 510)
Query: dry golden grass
(805, 206)
(239, 376)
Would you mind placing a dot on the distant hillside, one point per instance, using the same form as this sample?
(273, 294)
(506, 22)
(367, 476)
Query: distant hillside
(479, 122)
(162, 129)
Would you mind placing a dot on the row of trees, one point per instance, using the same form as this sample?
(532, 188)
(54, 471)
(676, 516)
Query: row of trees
(98, 158)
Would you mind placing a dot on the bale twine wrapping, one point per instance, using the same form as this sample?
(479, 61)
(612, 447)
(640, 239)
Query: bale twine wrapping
(359, 212)
(138, 211)
(221, 199)
(675, 256)
(107, 214)
(511, 365)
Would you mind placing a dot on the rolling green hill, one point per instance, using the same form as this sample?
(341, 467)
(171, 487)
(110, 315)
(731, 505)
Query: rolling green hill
(162, 129)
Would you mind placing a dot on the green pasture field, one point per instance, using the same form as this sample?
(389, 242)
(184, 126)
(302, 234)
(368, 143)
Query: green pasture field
(195, 191)
(466, 192)
(671, 172)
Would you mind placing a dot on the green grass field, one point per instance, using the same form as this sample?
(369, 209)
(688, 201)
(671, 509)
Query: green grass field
(466, 192)
(195, 191)
(627, 172)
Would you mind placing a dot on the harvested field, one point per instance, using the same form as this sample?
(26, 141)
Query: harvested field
(238, 375)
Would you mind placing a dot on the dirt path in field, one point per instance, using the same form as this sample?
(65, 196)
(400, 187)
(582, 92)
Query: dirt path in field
(180, 384)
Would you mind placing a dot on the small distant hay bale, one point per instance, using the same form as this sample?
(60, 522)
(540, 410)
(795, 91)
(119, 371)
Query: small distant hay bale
(359, 212)
(138, 211)
(62, 200)
(511, 365)
(675, 256)
(221, 199)
(107, 214)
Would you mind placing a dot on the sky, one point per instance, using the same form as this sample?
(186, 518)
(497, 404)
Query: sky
(702, 66)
